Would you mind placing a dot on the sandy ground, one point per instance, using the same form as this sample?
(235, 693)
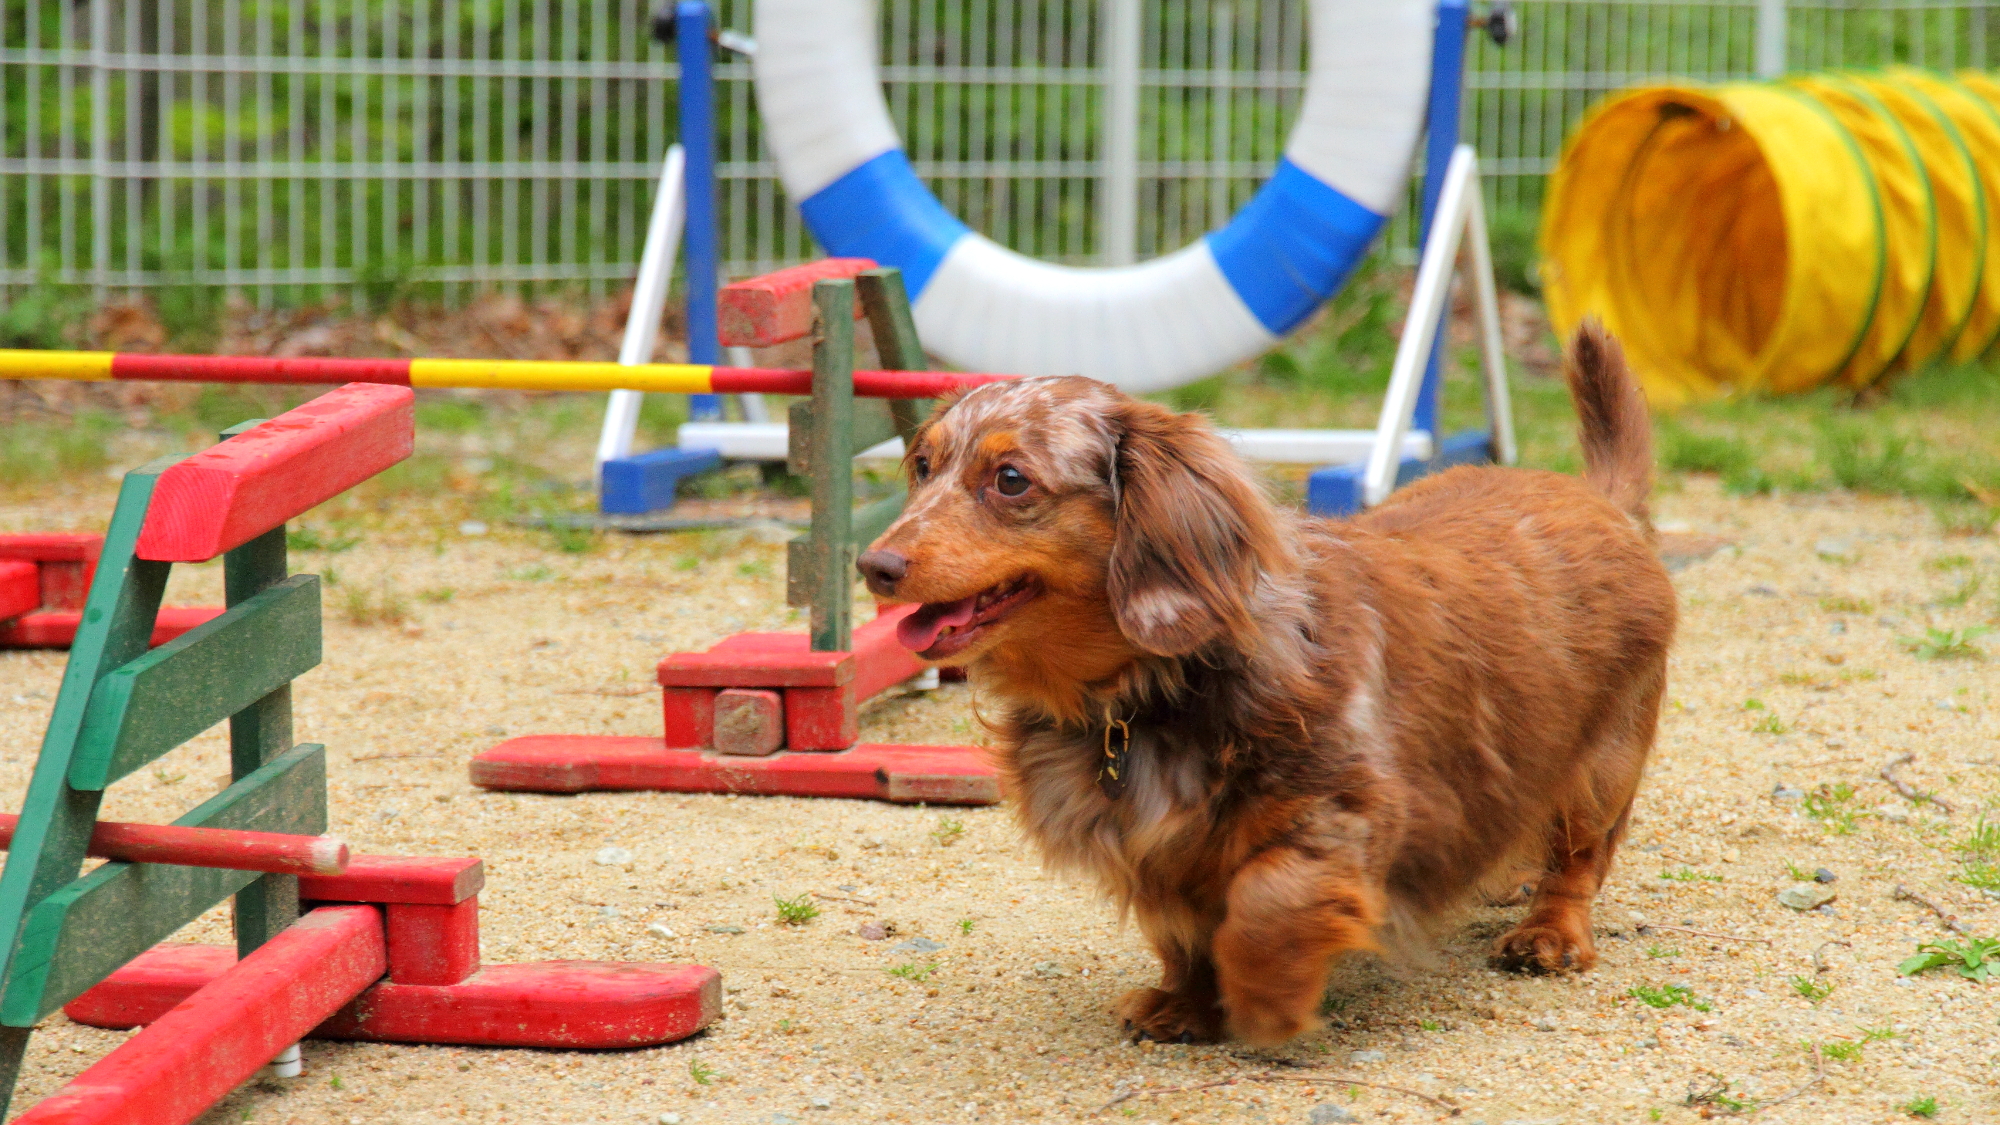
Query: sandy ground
(1007, 1017)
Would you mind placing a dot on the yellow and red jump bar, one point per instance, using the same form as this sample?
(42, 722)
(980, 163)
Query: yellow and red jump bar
(495, 374)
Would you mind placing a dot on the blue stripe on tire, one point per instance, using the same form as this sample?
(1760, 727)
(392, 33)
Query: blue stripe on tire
(881, 210)
(1291, 247)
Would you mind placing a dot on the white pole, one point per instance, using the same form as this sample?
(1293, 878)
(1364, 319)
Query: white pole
(649, 299)
(1493, 350)
(1770, 38)
(1120, 183)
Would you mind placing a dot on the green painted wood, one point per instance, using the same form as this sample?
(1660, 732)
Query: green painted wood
(894, 327)
(56, 821)
(832, 535)
(202, 677)
(260, 733)
(873, 423)
(84, 931)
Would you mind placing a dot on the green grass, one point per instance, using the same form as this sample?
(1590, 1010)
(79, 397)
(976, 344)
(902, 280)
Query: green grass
(1974, 958)
(913, 972)
(1832, 806)
(1667, 996)
(965, 925)
(1811, 989)
(1656, 951)
(701, 1072)
(1689, 875)
(948, 831)
(1925, 1107)
(795, 911)
(1947, 644)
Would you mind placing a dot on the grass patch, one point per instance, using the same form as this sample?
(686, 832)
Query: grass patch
(795, 911)
(38, 451)
(1946, 644)
(948, 831)
(1667, 996)
(1689, 875)
(381, 605)
(1924, 1106)
(701, 1072)
(1832, 806)
(1657, 951)
(1974, 958)
(306, 537)
(1811, 988)
(1846, 605)
(914, 972)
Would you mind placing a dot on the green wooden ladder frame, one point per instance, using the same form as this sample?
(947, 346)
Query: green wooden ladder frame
(120, 707)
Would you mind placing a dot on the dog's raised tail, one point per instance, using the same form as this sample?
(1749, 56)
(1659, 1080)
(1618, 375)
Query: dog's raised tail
(1616, 430)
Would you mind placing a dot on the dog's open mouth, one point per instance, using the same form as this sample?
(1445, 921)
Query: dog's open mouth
(941, 630)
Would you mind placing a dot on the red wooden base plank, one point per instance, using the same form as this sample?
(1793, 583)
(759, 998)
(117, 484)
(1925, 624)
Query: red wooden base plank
(940, 775)
(561, 1004)
(778, 306)
(66, 561)
(229, 494)
(395, 878)
(20, 587)
(433, 944)
(227, 1025)
(56, 628)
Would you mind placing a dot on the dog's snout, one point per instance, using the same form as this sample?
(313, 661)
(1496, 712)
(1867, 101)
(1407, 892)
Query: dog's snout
(882, 570)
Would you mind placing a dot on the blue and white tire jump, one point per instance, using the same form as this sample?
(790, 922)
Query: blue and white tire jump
(1147, 327)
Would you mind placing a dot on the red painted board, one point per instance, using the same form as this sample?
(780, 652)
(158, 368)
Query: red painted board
(433, 944)
(395, 878)
(822, 718)
(567, 1004)
(778, 306)
(881, 661)
(227, 1028)
(757, 668)
(20, 587)
(57, 628)
(229, 494)
(688, 716)
(954, 775)
(225, 848)
(259, 369)
(67, 562)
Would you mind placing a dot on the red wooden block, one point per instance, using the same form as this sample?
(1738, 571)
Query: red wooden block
(57, 628)
(226, 848)
(749, 721)
(20, 587)
(433, 944)
(564, 1004)
(757, 667)
(66, 561)
(690, 716)
(821, 718)
(395, 878)
(949, 775)
(227, 1027)
(778, 306)
(229, 494)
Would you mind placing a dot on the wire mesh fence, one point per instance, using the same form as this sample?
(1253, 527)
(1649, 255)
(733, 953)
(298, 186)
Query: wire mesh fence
(290, 150)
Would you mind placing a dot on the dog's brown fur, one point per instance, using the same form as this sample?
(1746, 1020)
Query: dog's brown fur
(1335, 727)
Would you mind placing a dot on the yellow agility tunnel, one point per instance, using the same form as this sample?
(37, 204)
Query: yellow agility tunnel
(1832, 229)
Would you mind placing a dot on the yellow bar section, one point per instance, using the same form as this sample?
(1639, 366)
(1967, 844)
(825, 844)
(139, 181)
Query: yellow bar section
(551, 375)
(90, 366)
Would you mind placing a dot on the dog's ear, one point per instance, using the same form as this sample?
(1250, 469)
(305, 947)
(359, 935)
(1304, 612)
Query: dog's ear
(1193, 530)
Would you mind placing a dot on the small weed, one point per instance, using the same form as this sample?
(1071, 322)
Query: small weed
(1839, 1050)
(572, 540)
(1925, 1107)
(1846, 605)
(1656, 951)
(383, 605)
(965, 925)
(1810, 989)
(1829, 805)
(1962, 595)
(535, 573)
(796, 911)
(1974, 958)
(1769, 724)
(1654, 1114)
(1429, 1025)
(1754, 705)
(1668, 995)
(1983, 841)
(1876, 1034)
(438, 596)
(755, 568)
(164, 778)
(1798, 874)
(1689, 875)
(1949, 562)
(1860, 676)
(1717, 1097)
(687, 562)
(308, 538)
(913, 972)
(1946, 644)
(701, 1072)
(948, 830)
(1804, 679)
(334, 1081)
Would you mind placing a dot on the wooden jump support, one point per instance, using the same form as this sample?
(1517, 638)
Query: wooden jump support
(43, 579)
(362, 947)
(776, 713)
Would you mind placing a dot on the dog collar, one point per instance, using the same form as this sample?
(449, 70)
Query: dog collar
(1111, 768)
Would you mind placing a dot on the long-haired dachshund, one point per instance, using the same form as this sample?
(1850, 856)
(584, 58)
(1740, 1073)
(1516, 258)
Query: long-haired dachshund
(1273, 738)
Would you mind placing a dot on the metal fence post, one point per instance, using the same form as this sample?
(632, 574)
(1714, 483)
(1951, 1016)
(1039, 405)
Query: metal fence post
(1771, 27)
(1119, 210)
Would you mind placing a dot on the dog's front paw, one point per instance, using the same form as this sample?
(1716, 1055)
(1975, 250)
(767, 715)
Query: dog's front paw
(1545, 946)
(1165, 1017)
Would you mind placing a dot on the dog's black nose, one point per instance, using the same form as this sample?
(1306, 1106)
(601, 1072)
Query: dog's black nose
(882, 570)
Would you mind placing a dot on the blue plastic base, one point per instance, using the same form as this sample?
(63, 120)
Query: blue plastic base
(633, 486)
(1336, 489)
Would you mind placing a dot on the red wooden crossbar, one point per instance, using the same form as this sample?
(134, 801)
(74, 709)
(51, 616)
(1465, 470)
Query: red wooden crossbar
(57, 628)
(193, 1055)
(226, 848)
(778, 307)
(229, 494)
(398, 879)
(20, 587)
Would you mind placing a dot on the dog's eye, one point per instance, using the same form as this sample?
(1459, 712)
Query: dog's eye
(921, 469)
(1010, 481)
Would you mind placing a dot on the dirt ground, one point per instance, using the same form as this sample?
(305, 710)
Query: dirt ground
(1002, 1011)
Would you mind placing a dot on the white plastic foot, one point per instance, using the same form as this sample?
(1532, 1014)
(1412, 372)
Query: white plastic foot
(288, 1064)
(926, 680)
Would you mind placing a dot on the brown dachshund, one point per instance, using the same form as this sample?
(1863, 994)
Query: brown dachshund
(1272, 738)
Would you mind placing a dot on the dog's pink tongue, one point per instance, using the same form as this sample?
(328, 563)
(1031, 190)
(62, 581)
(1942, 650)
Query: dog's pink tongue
(920, 630)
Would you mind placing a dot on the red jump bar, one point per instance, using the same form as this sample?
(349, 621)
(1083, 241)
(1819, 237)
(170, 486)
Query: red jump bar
(226, 848)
